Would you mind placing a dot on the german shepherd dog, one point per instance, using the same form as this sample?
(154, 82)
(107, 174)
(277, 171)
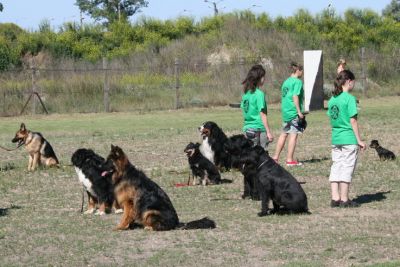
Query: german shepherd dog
(201, 167)
(143, 201)
(90, 169)
(39, 149)
(383, 153)
(273, 181)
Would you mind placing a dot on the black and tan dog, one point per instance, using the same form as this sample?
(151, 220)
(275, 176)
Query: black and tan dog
(201, 167)
(383, 153)
(39, 149)
(93, 175)
(272, 180)
(143, 201)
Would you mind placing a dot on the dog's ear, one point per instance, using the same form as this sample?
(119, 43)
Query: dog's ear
(259, 150)
(22, 127)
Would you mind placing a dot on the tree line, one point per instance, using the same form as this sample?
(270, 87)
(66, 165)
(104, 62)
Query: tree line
(117, 37)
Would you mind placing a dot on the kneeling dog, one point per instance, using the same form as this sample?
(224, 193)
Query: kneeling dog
(273, 181)
(90, 169)
(143, 201)
(201, 167)
(39, 149)
(383, 153)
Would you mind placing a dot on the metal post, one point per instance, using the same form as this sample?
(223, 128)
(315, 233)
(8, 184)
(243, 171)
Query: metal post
(364, 75)
(106, 86)
(177, 84)
(33, 88)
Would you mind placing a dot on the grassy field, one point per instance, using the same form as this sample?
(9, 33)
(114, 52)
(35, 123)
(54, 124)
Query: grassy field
(40, 223)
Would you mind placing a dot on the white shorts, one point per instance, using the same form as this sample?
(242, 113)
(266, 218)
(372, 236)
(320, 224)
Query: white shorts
(344, 159)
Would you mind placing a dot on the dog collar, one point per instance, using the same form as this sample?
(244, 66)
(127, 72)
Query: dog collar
(265, 161)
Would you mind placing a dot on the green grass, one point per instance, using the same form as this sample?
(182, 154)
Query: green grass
(40, 223)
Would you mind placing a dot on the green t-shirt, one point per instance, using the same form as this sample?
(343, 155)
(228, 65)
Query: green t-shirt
(252, 104)
(291, 86)
(340, 109)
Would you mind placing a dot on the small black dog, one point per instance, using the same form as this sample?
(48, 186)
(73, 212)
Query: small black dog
(201, 167)
(272, 180)
(383, 153)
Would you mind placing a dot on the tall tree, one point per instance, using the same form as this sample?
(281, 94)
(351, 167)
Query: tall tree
(393, 10)
(1, 7)
(110, 10)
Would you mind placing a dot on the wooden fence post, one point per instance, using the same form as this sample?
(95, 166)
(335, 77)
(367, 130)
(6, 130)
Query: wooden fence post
(177, 84)
(106, 86)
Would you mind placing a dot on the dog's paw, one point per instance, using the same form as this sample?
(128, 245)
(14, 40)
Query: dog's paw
(121, 228)
(148, 228)
(99, 213)
(262, 213)
(89, 211)
(118, 211)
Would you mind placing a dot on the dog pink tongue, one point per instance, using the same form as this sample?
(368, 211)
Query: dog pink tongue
(104, 173)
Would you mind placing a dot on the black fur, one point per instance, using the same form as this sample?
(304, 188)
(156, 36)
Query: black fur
(216, 138)
(200, 166)
(234, 146)
(273, 181)
(383, 153)
(93, 166)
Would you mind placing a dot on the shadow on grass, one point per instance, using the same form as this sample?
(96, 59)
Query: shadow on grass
(367, 198)
(313, 160)
(4, 211)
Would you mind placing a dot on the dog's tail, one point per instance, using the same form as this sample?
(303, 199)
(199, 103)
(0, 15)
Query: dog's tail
(204, 223)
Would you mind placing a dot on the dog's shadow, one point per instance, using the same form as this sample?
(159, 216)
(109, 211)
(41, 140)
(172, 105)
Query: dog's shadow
(368, 198)
(4, 211)
(314, 160)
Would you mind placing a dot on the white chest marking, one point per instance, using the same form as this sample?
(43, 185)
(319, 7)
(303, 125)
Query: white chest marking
(85, 181)
(206, 151)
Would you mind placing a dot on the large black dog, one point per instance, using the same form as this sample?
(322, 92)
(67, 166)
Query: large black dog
(90, 169)
(272, 180)
(201, 167)
(212, 146)
(383, 153)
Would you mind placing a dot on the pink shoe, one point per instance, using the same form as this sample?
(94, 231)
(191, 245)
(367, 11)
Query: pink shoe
(293, 163)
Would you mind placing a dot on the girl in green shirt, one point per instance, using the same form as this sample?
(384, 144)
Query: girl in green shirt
(292, 112)
(254, 108)
(346, 140)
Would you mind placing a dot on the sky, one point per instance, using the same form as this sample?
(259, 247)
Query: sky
(29, 13)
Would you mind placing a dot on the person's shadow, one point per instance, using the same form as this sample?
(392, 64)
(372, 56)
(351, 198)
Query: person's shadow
(368, 198)
(4, 211)
(315, 160)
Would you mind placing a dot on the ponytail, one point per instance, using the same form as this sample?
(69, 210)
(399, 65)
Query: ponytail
(253, 78)
(340, 80)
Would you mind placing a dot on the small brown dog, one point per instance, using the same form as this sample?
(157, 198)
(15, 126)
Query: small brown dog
(39, 149)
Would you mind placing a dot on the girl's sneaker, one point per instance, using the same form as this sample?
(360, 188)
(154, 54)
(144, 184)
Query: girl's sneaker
(335, 203)
(293, 163)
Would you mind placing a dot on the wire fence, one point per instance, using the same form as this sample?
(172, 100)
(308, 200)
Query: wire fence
(109, 87)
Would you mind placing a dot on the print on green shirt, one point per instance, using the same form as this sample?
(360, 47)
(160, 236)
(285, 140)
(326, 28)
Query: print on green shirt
(291, 87)
(252, 104)
(340, 109)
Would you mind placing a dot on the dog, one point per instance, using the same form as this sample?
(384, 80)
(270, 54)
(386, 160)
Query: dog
(201, 167)
(39, 149)
(234, 147)
(91, 171)
(212, 146)
(383, 153)
(273, 181)
(143, 201)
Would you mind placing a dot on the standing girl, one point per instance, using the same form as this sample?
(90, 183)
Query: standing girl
(346, 140)
(292, 114)
(254, 108)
